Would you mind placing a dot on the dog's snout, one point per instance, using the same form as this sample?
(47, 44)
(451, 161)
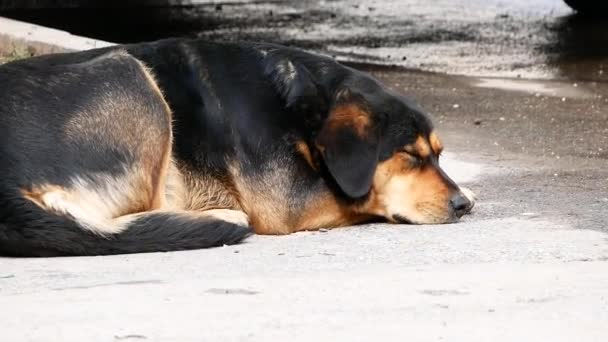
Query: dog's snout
(460, 204)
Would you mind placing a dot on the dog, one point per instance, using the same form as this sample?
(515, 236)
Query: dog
(185, 144)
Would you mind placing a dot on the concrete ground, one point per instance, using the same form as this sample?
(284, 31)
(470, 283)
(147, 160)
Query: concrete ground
(530, 263)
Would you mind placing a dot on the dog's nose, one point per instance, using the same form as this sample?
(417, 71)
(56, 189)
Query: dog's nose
(460, 204)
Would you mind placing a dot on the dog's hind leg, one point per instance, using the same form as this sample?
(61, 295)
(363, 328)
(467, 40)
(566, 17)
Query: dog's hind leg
(106, 193)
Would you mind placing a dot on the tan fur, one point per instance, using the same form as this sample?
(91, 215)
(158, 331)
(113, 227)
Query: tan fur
(265, 198)
(436, 144)
(418, 194)
(349, 115)
(228, 215)
(159, 172)
(422, 148)
(400, 187)
(304, 151)
(233, 216)
(325, 211)
(96, 200)
(274, 209)
(203, 192)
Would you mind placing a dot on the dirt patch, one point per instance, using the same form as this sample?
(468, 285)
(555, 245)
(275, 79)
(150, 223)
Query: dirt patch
(13, 49)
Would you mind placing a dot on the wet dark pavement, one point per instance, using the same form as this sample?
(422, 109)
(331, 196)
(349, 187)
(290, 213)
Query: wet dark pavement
(530, 39)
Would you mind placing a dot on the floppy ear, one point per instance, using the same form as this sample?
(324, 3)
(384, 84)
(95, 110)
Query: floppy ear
(291, 80)
(348, 143)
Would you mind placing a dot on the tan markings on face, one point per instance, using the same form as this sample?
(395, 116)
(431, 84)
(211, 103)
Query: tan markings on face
(304, 151)
(418, 194)
(436, 144)
(349, 115)
(422, 147)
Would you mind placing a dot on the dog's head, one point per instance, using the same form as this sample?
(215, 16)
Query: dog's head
(379, 150)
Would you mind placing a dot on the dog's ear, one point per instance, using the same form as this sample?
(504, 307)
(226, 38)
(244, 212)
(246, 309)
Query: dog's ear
(348, 142)
(291, 80)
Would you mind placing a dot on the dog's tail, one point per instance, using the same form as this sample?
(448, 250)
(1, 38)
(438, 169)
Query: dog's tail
(29, 231)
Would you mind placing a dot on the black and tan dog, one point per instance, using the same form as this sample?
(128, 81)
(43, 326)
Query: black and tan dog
(183, 144)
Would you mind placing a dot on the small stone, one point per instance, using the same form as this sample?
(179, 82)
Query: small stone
(477, 122)
(502, 118)
(456, 106)
(563, 99)
(130, 337)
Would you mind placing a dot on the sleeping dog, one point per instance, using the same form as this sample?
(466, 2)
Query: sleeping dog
(185, 144)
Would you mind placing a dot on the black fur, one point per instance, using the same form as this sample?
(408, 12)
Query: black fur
(27, 230)
(239, 101)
